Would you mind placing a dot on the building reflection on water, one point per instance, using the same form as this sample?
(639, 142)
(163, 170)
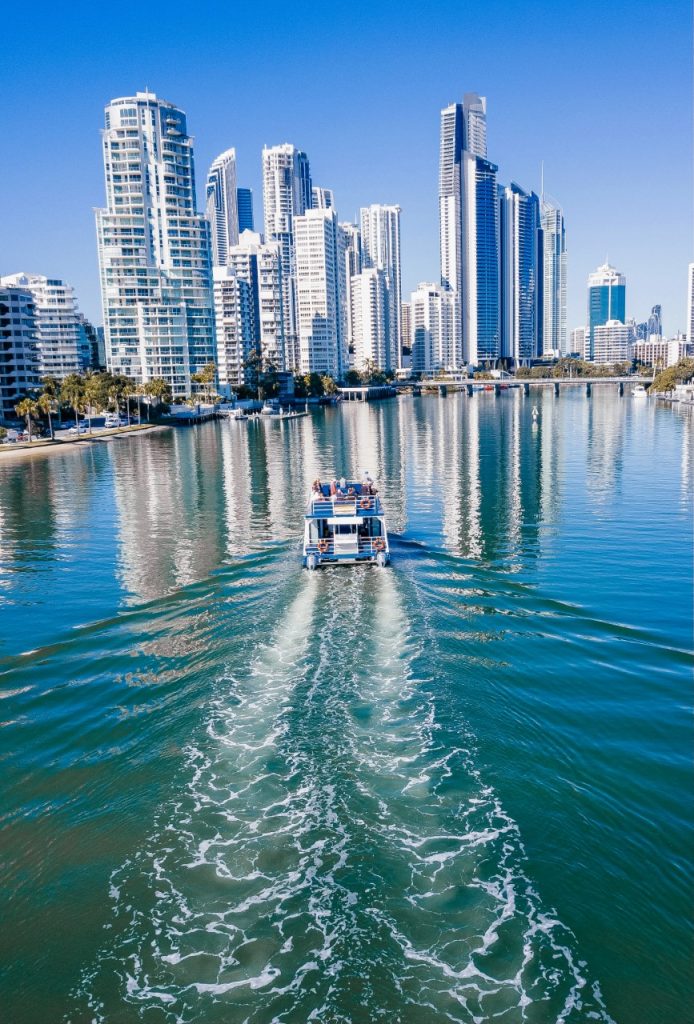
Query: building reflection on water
(473, 475)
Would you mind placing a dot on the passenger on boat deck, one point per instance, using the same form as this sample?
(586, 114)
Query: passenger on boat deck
(333, 488)
(343, 484)
(316, 490)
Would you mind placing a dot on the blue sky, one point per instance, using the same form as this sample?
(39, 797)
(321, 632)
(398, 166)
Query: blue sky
(600, 92)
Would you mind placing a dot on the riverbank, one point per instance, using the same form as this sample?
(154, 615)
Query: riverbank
(45, 446)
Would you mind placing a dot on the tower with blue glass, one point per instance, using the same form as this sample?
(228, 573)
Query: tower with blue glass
(606, 299)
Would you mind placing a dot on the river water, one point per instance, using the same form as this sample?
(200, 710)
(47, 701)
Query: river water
(457, 789)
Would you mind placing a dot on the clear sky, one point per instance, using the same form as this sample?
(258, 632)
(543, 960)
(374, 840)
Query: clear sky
(600, 91)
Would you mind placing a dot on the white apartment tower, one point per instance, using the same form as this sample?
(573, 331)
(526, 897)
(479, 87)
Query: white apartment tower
(58, 330)
(370, 318)
(19, 358)
(611, 342)
(154, 248)
(554, 276)
(690, 304)
(406, 325)
(287, 194)
(320, 289)
(351, 243)
(436, 334)
(322, 198)
(221, 207)
(380, 248)
(248, 308)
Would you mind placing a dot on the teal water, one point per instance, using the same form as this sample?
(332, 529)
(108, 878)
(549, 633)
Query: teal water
(458, 789)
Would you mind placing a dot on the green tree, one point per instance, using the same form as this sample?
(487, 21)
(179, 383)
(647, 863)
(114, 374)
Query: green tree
(205, 378)
(50, 387)
(160, 390)
(3, 434)
(72, 394)
(96, 396)
(48, 405)
(680, 373)
(28, 409)
(352, 379)
(329, 385)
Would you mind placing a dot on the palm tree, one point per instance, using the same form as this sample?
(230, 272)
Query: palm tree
(47, 404)
(158, 389)
(72, 394)
(27, 409)
(51, 388)
(206, 377)
(95, 395)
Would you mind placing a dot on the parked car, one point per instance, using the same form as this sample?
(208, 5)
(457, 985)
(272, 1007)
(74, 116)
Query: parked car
(82, 428)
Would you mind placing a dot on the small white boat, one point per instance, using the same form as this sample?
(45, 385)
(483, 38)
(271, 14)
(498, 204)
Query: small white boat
(536, 412)
(639, 391)
(345, 527)
(269, 410)
(239, 414)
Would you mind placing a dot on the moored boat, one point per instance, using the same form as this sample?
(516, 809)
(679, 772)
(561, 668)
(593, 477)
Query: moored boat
(345, 523)
(639, 391)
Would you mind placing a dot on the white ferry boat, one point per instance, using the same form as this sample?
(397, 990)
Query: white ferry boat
(345, 523)
(639, 391)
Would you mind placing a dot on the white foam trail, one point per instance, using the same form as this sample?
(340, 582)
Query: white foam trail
(335, 851)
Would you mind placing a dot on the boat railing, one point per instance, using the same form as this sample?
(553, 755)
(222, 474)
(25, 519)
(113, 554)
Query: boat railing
(326, 546)
(345, 505)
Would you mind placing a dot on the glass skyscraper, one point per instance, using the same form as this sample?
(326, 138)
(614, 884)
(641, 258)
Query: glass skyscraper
(244, 203)
(521, 256)
(606, 300)
(469, 226)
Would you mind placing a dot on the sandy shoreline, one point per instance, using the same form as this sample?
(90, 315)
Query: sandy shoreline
(10, 453)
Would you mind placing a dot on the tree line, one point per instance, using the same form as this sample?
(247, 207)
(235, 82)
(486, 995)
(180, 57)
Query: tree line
(88, 395)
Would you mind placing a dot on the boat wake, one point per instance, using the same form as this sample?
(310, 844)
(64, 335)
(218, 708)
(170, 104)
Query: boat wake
(333, 854)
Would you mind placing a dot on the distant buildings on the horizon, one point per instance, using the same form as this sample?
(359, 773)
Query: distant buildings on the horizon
(312, 294)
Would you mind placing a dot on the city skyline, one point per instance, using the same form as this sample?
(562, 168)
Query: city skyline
(593, 168)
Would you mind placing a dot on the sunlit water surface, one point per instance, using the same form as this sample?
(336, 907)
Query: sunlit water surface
(458, 789)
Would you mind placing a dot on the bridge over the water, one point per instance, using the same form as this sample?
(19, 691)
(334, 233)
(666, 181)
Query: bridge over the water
(497, 386)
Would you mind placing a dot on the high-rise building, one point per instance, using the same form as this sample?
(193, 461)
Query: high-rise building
(521, 261)
(154, 247)
(436, 329)
(371, 320)
(322, 198)
(606, 300)
(380, 248)
(244, 205)
(611, 342)
(91, 353)
(406, 326)
(248, 310)
(234, 325)
(286, 195)
(351, 244)
(19, 356)
(61, 347)
(469, 226)
(655, 322)
(553, 281)
(320, 289)
(690, 303)
(221, 207)
(579, 342)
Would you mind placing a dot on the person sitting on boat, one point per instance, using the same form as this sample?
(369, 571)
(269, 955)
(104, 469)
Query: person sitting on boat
(366, 482)
(343, 484)
(333, 488)
(316, 491)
